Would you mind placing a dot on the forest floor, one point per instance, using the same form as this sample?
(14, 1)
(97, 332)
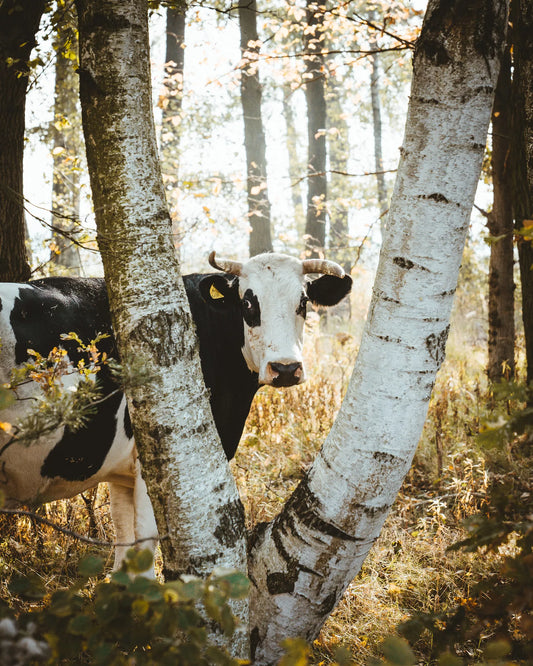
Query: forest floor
(409, 570)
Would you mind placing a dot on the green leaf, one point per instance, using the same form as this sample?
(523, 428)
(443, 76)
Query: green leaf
(7, 397)
(80, 625)
(343, 656)
(91, 566)
(28, 587)
(297, 652)
(496, 650)
(238, 584)
(448, 659)
(398, 652)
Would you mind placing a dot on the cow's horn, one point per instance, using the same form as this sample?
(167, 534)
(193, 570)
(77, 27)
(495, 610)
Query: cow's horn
(226, 265)
(322, 266)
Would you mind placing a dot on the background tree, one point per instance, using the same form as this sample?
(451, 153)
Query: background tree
(501, 338)
(66, 151)
(19, 22)
(315, 72)
(188, 478)
(172, 102)
(522, 104)
(254, 134)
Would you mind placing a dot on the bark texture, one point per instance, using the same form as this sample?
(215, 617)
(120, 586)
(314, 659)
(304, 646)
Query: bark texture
(302, 562)
(19, 22)
(254, 134)
(523, 159)
(296, 167)
(500, 223)
(68, 144)
(194, 496)
(315, 228)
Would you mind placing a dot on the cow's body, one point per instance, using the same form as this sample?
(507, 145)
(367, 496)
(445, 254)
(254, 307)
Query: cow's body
(62, 464)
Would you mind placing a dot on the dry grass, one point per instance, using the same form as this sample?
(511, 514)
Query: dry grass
(407, 570)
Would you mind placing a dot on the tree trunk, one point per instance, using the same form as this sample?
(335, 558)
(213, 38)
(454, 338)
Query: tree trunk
(522, 160)
(68, 144)
(19, 22)
(172, 110)
(339, 154)
(500, 224)
(315, 228)
(254, 135)
(377, 126)
(195, 499)
(296, 168)
(302, 562)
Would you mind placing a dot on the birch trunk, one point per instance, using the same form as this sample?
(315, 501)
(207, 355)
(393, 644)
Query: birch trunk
(523, 159)
(301, 563)
(254, 133)
(19, 21)
(193, 493)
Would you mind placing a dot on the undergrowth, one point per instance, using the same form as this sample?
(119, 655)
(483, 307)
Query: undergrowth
(412, 574)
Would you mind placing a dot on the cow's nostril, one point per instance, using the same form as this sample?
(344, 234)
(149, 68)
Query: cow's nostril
(286, 374)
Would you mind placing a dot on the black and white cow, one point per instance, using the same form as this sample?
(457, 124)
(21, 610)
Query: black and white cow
(249, 321)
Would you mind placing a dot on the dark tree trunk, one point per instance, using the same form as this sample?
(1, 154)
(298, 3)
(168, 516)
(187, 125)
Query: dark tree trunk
(19, 22)
(522, 159)
(172, 108)
(500, 224)
(254, 135)
(68, 145)
(315, 228)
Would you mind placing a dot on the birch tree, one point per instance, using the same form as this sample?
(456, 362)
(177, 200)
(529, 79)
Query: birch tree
(198, 511)
(301, 563)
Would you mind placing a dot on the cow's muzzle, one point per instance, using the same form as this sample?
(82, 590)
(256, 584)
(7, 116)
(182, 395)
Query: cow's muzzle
(284, 374)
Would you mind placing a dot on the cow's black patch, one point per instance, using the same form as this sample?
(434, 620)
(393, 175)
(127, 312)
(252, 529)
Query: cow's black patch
(127, 423)
(328, 289)
(250, 309)
(301, 310)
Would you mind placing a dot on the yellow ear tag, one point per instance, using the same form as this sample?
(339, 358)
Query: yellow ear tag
(214, 293)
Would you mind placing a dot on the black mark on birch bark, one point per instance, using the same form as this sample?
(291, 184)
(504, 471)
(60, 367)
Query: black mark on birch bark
(435, 196)
(407, 264)
(230, 528)
(436, 345)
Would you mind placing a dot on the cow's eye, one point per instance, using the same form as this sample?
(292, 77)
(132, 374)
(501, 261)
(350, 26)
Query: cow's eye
(301, 309)
(247, 304)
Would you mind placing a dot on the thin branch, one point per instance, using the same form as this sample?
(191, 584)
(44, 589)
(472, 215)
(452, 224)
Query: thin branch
(75, 535)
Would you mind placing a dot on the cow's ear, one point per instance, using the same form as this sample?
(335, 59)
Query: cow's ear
(218, 289)
(328, 289)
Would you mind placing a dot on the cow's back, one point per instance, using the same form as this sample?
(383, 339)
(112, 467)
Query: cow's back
(60, 463)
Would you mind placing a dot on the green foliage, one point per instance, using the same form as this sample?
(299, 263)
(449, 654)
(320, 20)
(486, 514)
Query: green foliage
(131, 619)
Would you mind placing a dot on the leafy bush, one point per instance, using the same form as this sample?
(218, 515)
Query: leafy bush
(129, 619)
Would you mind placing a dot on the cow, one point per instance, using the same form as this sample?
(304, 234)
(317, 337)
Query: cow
(249, 319)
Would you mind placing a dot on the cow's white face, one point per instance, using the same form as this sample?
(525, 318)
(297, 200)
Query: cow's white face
(272, 294)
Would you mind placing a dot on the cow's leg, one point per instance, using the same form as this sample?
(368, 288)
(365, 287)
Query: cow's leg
(123, 515)
(145, 525)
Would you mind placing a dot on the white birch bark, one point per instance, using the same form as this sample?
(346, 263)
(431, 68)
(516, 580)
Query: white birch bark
(301, 563)
(193, 493)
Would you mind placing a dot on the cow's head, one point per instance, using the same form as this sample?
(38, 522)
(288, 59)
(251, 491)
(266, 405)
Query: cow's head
(273, 291)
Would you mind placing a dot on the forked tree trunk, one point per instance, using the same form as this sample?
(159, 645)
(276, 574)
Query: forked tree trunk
(315, 228)
(302, 562)
(19, 22)
(500, 224)
(254, 134)
(189, 481)
(522, 148)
